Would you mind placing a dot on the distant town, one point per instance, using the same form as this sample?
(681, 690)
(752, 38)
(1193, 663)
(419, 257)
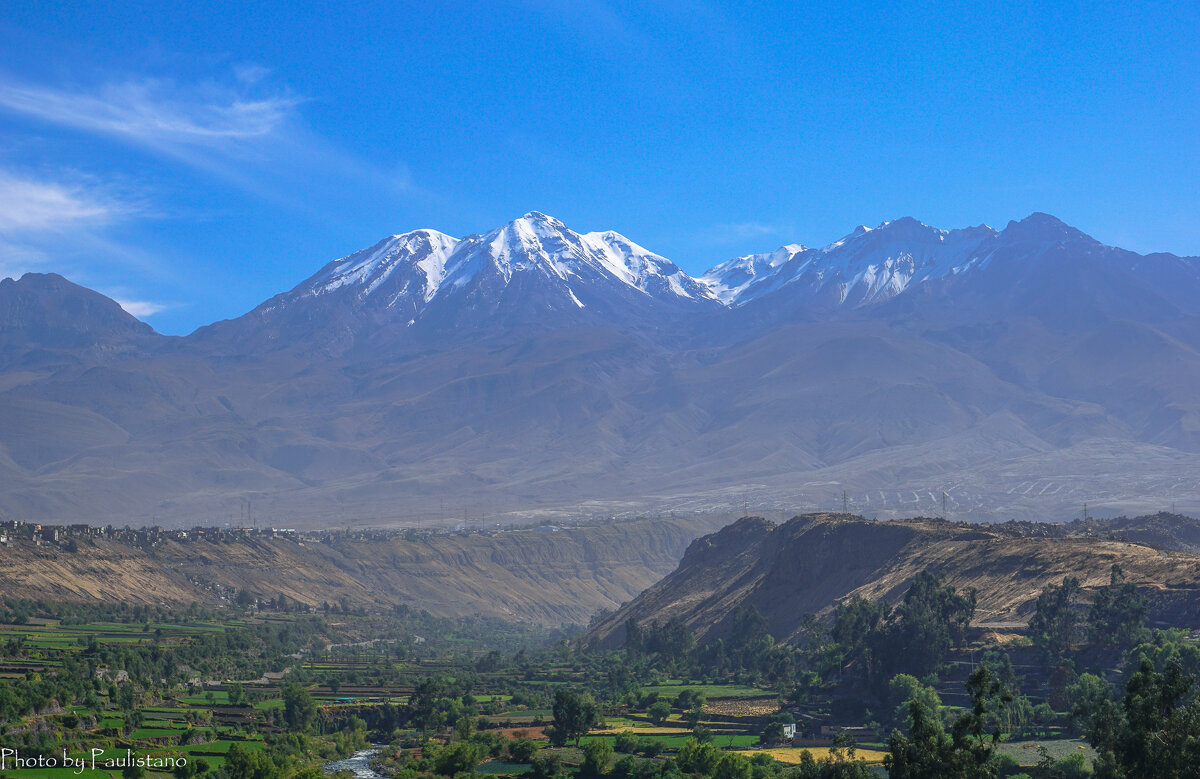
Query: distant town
(67, 537)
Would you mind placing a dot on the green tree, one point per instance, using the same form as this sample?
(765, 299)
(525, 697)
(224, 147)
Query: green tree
(522, 750)
(659, 712)
(878, 642)
(855, 623)
(627, 742)
(933, 617)
(1160, 736)
(547, 766)
(903, 689)
(696, 757)
(299, 708)
(1093, 707)
(1118, 613)
(732, 766)
(929, 752)
(1055, 623)
(574, 714)
(749, 624)
(244, 763)
(457, 758)
(689, 699)
(596, 755)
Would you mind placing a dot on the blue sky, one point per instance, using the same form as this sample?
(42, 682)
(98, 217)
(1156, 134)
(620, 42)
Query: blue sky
(193, 159)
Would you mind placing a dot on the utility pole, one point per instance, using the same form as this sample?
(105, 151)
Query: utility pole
(943, 504)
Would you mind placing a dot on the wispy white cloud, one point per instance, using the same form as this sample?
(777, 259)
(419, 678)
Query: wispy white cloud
(235, 128)
(153, 111)
(140, 308)
(237, 131)
(65, 226)
(32, 205)
(233, 131)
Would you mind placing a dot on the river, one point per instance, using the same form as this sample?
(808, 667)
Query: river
(358, 764)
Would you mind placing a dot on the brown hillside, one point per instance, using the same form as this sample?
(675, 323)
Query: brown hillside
(544, 576)
(811, 563)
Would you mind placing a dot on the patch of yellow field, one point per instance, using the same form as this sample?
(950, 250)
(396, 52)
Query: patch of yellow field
(643, 730)
(791, 755)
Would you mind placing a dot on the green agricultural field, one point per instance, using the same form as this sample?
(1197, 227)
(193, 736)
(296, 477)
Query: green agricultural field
(502, 768)
(1027, 753)
(675, 741)
(219, 697)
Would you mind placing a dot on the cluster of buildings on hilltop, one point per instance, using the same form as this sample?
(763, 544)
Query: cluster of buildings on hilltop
(39, 534)
(16, 530)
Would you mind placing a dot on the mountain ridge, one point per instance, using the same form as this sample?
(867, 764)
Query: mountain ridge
(568, 374)
(812, 563)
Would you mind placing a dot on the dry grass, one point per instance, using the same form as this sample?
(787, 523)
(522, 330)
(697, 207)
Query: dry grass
(646, 730)
(792, 755)
(742, 707)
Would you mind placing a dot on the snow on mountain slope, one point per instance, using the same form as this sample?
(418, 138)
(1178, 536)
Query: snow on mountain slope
(749, 275)
(535, 271)
(870, 266)
(424, 268)
(418, 256)
(644, 269)
(867, 266)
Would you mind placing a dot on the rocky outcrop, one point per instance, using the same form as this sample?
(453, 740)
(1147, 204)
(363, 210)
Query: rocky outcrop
(814, 562)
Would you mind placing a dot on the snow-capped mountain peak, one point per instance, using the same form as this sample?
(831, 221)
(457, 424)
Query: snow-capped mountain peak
(549, 265)
(420, 256)
(866, 266)
(535, 263)
(542, 244)
(748, 275)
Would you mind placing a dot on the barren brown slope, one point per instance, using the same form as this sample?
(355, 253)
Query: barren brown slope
(544, 576)
(811, 563)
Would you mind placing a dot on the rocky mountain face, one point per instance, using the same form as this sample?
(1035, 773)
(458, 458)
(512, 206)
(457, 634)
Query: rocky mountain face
(534, 370)
(533, 275)
(811, 563)
(47, 312)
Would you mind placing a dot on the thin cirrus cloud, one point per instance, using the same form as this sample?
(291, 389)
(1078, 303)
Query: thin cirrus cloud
(140, 308)
(239, 130)
(55, 223)
(233, 132)
(153, 112)
(45, 218)
(29, 205)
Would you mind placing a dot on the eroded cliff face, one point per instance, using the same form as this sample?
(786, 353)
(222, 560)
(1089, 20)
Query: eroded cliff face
(811, 563)
(542, 576)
